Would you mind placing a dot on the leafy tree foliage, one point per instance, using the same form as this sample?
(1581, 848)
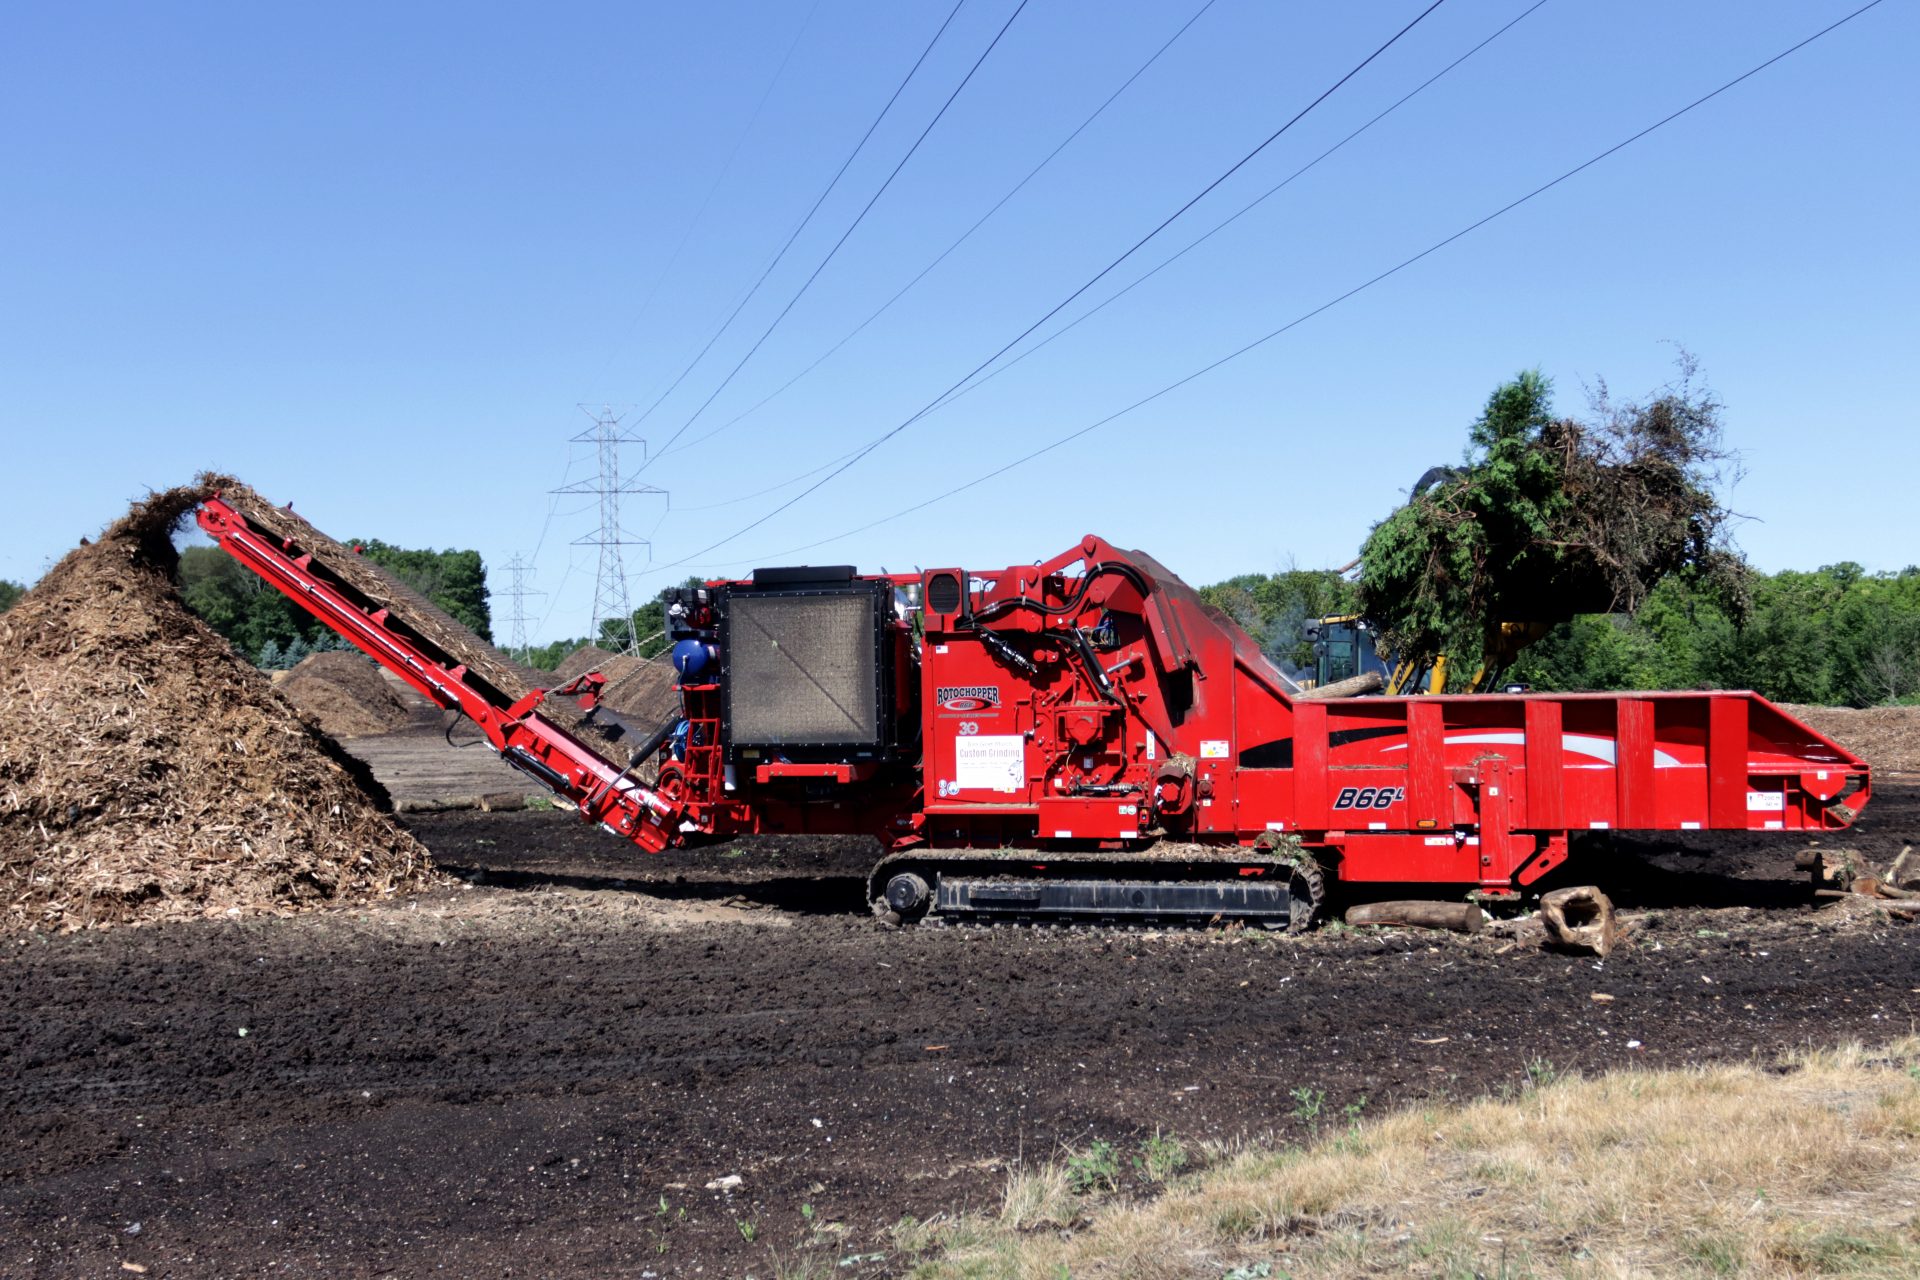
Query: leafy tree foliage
(239, 605)
(9, 592)
(454, 580)
(1835, 635)
(1550, 518)
(548, 657)
(1275, 608)
(253, 616)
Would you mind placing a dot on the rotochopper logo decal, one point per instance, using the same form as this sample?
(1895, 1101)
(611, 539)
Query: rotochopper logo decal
(967, 697)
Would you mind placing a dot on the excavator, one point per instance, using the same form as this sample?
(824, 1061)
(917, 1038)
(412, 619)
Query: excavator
(1344, 646)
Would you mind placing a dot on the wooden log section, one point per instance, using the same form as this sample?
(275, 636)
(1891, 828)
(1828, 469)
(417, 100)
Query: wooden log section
(1351, 687)
(1579, 918)
(1459, 917)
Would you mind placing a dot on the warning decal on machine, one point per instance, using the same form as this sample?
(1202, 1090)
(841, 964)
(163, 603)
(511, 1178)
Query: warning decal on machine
(990, 762)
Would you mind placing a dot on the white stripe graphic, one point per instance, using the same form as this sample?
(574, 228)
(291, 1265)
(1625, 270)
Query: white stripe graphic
(1585, 744)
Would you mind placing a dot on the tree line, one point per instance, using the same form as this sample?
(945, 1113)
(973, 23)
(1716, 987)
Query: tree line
(1837, 635)
(648, 636)
(1605, 537)
(274, 634)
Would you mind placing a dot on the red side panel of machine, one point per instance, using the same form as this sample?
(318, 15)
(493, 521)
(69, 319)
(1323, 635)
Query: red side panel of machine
(1485, 789)
(1096, 699)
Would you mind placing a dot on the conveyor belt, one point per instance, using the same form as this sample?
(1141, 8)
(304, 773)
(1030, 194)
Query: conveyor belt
(485, 664)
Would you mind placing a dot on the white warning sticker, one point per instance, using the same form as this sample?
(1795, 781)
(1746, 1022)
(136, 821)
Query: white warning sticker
(1213, 749)
(1766, 801)
(990, 762)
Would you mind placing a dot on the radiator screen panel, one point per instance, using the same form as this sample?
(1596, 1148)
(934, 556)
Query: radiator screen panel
(800, 669)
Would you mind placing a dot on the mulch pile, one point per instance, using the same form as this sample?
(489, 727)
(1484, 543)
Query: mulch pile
(148, 772)
(1889, 737)
(642, 690)
(344, 694)
(588, 657)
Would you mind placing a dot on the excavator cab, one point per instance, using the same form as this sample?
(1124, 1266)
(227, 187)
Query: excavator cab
(1344, 646)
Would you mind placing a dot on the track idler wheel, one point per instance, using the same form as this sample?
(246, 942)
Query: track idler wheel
(1306, 882)
(907, 895)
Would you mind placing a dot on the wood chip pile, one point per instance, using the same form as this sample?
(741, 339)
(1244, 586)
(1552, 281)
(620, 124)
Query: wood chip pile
(641, 691)
(588, 657)
(344, 694)
(149, 773)
(1887, 737)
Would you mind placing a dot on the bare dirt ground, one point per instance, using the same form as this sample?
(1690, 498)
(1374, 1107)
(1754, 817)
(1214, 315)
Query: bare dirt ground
(511, 1077)
(436, 759)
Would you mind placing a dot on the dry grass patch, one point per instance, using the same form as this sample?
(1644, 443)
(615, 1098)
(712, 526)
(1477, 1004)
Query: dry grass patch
(1811, 1169)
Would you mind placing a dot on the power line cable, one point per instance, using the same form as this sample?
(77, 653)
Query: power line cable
(553, 601)
(726, 167)
(966, 235)
(1239, 164)
(1325, 306)
(553, 502)
(1244, 210)
(1114, 297)
(802, 225)
(788, 483)
(858, 219)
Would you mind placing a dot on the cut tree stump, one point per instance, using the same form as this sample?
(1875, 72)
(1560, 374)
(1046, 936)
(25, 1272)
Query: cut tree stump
(1579, 918)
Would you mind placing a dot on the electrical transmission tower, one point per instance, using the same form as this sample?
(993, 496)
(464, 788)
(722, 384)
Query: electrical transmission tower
(610, 600)
(519, 574)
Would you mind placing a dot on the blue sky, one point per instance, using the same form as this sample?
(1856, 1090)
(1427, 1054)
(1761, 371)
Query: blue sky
(370, 258)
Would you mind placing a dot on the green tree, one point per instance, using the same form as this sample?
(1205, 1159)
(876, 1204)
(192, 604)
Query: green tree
(242, 607)
(1831, 635)
(9, 592)
(238, 604)
(547, 657)
(454, 580)
(1274, 608)
(1438, 572)
(1551, 518)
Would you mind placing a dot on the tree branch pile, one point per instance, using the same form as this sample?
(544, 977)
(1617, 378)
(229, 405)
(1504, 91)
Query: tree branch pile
(1552, 517)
